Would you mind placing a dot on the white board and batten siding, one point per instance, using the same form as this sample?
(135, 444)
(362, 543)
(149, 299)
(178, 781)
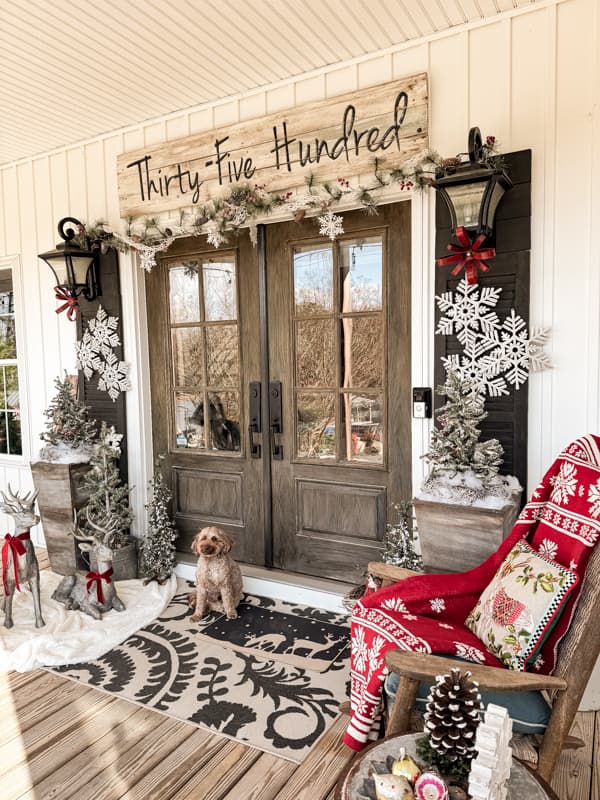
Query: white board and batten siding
(530, 77)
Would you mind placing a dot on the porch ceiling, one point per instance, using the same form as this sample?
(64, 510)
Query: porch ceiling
(73, 70)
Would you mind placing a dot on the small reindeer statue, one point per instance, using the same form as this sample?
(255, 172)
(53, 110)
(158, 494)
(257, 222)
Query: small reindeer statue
(19, 562)
(94, 593)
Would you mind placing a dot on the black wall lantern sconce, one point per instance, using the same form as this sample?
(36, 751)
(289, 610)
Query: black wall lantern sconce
(472, 191)
(76, 269)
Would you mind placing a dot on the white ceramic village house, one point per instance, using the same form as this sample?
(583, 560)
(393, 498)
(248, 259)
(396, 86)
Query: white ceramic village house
(525, 72)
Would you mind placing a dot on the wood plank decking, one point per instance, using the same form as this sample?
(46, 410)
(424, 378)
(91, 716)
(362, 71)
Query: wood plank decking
(60, 740)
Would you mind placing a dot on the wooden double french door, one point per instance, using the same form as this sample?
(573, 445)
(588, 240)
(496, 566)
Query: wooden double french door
(281, 389)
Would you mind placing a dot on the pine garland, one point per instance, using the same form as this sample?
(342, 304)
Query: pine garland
(107, 514)
(67, 418)
(245, 204)
(158, 547)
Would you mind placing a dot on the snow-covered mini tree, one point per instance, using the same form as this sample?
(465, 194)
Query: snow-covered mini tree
(399, 540)
(107, 513)
(158, 546)
(69, 433)
(462, 469)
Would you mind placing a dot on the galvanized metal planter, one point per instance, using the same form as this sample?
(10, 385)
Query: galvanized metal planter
(455, 538)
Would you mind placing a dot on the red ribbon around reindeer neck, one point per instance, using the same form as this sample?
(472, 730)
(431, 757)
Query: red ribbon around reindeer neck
(14, 545)
(70, 304)
(97, 578)
(467, 254)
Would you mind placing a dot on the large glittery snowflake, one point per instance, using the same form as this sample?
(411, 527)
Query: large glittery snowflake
(331, 225)
(102, 331)
(113, 376)
(87, 354)
(95, 354)
(495, 355)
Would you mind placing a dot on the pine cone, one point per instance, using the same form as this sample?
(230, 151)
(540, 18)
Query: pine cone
(452, 715)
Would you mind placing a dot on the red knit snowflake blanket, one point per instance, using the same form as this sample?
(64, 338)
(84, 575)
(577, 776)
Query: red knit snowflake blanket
(427, 613)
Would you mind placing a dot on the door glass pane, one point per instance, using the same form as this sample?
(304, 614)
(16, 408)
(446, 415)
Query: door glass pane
(189, 421)
(224, 419)
(219, 289)
(222, 356)
(361, 275)
(362, 351)
(315, 425)
(363, 428)
(313, 280)
(315, 353)
(183, 293)
(188, 366)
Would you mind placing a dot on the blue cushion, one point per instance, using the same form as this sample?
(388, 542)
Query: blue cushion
(529, 711)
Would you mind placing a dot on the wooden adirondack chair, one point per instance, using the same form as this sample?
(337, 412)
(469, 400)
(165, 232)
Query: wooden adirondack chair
(577, 657)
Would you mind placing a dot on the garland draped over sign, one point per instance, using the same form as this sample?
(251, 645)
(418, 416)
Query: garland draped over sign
(246, 204)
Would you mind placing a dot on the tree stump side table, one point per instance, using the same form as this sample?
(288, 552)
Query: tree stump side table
(523, 783)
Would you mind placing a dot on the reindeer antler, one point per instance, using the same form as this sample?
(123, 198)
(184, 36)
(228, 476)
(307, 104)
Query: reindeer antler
(15, 504)
(75, 530)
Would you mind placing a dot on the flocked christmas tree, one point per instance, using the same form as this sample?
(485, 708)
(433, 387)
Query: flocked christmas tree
(463, 469)
(452, 715)
(158, 546)
(399, 540)
(455, 445)
(68, 427)
(107, 511)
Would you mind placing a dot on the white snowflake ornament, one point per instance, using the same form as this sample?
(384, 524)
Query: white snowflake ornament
(331, 225)
(103, 332)
(147, 252)
(495, 355)
(114, 376)
(113, 439)
(213, 234)
(86, 354)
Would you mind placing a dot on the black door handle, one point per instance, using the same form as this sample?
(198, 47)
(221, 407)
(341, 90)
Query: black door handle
(275, 419)
(254, 425)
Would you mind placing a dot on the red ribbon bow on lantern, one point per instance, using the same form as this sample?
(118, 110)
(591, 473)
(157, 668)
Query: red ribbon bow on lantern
(14, 545)
(70, 304)
(468, 255)
(97, 578)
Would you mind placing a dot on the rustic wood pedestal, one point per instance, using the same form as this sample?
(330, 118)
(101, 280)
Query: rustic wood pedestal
(60, 492)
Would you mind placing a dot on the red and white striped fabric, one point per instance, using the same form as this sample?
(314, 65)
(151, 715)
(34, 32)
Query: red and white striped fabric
(427, 613)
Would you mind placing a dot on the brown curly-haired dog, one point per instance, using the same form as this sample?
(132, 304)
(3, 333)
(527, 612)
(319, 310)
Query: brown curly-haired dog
(218, 577)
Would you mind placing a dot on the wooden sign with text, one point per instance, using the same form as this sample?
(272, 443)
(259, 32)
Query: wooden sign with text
(334, 138)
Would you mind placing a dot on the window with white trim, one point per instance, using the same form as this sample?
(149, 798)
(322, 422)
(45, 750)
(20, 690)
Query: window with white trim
(10, 408)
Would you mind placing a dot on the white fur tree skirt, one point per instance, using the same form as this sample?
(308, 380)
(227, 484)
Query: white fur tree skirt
(70, 637)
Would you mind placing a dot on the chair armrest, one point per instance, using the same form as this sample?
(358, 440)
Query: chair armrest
(389, 573)
(418, 666)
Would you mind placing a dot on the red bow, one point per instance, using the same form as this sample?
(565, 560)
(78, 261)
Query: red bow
(14, 545)
(70, 305)
(97, 578)
(468, 255)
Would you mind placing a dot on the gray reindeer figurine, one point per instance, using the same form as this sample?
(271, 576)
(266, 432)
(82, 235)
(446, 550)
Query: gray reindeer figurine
(94, 593)
(19, 562)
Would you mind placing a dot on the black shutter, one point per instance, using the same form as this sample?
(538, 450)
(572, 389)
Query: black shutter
(509, 270)
(101, 406)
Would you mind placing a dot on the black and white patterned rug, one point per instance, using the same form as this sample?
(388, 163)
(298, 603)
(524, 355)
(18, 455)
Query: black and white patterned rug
(174, 667)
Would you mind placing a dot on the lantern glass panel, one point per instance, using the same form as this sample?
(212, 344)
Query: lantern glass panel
(80, 268)
(466, 199)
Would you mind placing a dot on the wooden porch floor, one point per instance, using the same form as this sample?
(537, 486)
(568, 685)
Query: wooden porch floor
(61, 740)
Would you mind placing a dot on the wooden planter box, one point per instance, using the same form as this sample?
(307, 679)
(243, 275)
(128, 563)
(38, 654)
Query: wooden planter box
(456, 538)
(60, 492)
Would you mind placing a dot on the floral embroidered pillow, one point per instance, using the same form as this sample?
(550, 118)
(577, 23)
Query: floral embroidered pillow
(518, 608)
